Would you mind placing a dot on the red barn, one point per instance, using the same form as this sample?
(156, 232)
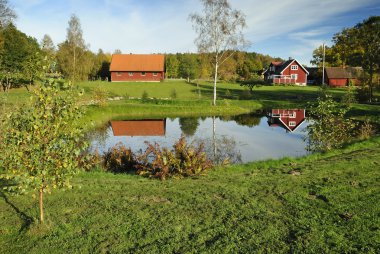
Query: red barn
(137, 67)
(288, 72)
(133, 128)
(289, 119)
(339, 76)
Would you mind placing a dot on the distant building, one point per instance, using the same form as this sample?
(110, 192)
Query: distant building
(341, 76)
(288, 72)
(289, 119)
(131, 67)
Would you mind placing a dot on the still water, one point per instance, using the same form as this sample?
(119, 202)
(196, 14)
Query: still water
(241, 138)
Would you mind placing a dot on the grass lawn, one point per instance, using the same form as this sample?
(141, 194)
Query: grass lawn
(192, 99)
(331, 207)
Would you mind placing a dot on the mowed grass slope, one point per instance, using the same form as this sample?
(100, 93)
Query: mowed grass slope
(331, 207)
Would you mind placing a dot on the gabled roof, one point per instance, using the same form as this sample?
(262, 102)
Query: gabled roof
(289, 62)
(340, 72)
(281, 66)
(129, 62)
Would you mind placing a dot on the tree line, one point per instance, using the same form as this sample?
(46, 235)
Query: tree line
(240, 66)
(24, 60)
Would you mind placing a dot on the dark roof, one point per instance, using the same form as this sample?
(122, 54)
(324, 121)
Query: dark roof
(346, 72)
(124, 62)
(283, 66)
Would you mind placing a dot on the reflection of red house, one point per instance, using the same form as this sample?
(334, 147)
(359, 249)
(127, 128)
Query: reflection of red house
(288, 72)
(137, 67)
(289, 119)
(139, 127)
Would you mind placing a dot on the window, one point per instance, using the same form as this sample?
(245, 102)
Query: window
(155, 74)
(130, 74)
(143, 73)
(294, 76)
(292, 115)
(292, 123)
(294, 67)
(272, 68)
(119, 74)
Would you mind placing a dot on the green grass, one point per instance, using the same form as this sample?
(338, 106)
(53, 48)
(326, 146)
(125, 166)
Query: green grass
(332, 207)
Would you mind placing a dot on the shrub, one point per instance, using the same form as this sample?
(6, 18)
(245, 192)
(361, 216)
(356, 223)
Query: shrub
(366, 130)
(363, 93)
(144, 96)
(183, 160)
(245, 95)
(228, 94)
(330, 128)
(100, 96)
(173, 94)
(349, 97)
(119, 159)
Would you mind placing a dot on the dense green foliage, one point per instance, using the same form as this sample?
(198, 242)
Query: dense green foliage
(329, 128)
(356, 46)
(327, 204)
(240, 66)
(20, 58)
(40, 143)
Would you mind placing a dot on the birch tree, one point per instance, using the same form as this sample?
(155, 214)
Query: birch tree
(7, 14)
(71, 52)
(219, 31)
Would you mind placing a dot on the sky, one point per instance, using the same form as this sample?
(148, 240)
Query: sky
(279, 28)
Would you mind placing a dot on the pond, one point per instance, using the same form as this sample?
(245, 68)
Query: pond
(242, 138)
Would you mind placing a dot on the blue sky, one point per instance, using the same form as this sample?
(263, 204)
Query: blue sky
(283, 28)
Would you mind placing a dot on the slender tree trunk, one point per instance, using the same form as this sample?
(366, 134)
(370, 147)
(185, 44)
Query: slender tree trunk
(215, 79)
(41, 205)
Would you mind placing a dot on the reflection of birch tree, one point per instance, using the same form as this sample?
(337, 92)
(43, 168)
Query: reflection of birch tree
(223, 150)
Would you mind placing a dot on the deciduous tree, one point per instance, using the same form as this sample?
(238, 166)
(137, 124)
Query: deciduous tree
(71, 54)
(219, 32)
(41, 143)
(7, 14)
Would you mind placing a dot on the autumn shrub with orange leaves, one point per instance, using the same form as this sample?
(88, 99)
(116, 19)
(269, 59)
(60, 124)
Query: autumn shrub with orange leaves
(183, 160)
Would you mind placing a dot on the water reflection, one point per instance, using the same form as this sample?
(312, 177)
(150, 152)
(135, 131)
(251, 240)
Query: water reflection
(240, 138)
(189, 125)
(288, 119)
(148, 127)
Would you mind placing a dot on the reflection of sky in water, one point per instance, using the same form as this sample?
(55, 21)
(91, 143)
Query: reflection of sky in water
(254, 143)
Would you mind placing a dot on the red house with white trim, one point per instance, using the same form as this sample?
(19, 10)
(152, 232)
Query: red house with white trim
(288, 72)
(289, 119)
(136, 67)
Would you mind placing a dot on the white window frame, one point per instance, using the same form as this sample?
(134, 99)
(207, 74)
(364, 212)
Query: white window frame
(155, 74)
(293, 115)
(294, 67)
(119, 73)
(294, 76)
(130, 74)
(143, 73)
(292, 123)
